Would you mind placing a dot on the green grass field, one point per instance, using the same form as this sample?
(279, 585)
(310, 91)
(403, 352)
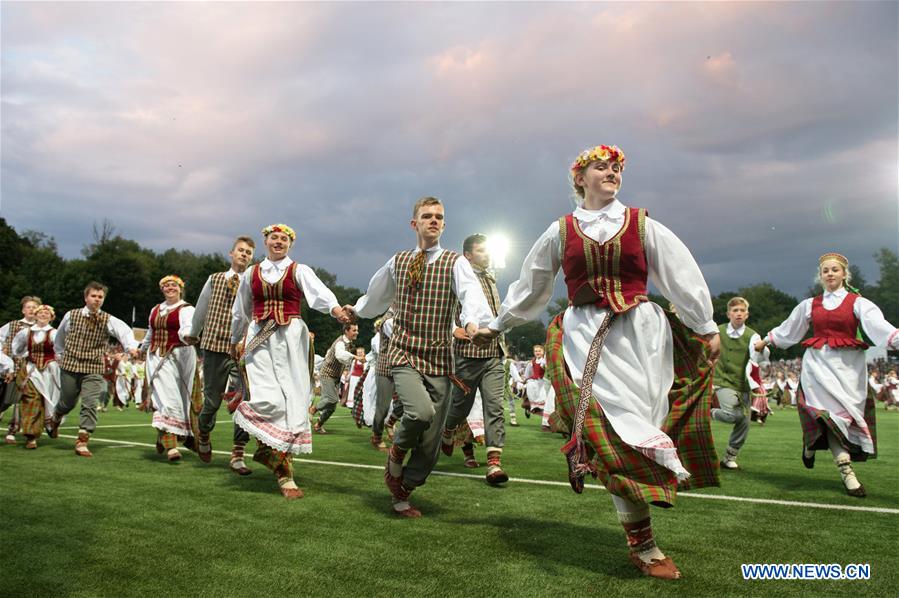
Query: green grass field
(127, 523)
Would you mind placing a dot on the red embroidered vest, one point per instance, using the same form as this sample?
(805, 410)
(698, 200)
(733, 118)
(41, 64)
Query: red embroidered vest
(281, 301)
(834, 327)
(165, 330)
(40, 354)
(537, 370)
(611, 274)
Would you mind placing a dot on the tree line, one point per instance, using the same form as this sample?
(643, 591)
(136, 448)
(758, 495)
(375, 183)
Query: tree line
(30, 264)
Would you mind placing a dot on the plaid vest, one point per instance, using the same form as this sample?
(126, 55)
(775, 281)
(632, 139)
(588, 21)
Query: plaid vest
(467, 348)
(40, 354)
(422, 327)
(217, 324)
(86, 342)
(611, 274)
(383, 345)
(14, 327)
(165, 330)
(281, 301)
(331, 367)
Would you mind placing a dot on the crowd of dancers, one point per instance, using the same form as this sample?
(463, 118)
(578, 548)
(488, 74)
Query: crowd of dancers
(631, 385)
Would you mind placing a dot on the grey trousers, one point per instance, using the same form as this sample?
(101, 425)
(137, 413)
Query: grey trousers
(487, 376)
(384, 396)
(10, 396)
(90, 388)
(425, 402)
(328, 403)
(218, 368)
(734, 406)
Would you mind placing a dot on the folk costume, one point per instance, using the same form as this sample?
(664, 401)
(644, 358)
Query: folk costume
(174, 383)
(12, 393)
(40, 387)
(734, 385)
(480, 369)
(384, 388)
(278, 393)
(212, 324)
(80, 347)
(337, 358)
(641, 421)
(424, 287)
(836, 407)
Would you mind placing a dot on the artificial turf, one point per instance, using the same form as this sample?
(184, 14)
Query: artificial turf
(128, 523)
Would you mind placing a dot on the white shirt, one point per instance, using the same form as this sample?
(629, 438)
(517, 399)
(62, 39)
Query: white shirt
(382, 290)
(6, 329)
(671, 268)
(340, 352)
(793, 329)
(20, 341)
(316, 295)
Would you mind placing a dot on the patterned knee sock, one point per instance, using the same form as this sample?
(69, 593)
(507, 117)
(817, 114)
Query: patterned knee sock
(640, 540)
(237, 453)
(395, 461)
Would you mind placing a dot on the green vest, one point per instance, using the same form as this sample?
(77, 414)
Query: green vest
(731, 369)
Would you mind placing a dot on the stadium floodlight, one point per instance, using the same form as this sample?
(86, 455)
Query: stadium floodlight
(498, 247)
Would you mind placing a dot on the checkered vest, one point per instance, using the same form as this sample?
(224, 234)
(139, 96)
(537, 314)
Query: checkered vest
(382, 368)
(86, 341)
(331, 366)
(217, 324)
(14, 327)
(422, 327)
(165, 330)
(467, 348)
(40, 354)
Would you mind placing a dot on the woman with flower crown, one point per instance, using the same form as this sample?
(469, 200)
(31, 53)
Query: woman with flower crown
(269, 333)
(172, 369)
(632, 382)
(836, 408)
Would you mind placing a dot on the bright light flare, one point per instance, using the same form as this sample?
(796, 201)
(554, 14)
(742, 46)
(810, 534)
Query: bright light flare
(498, 248)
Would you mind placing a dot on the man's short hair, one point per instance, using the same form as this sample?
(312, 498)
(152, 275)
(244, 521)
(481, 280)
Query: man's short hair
(28, 298)
(425, 201)
(737, 301)
(242, 239)
(346, 327)
(95, 286)
(472, 240)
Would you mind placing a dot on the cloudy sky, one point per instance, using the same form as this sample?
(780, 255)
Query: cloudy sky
(763, 134)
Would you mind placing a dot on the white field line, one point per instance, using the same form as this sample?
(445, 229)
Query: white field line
(764, 501)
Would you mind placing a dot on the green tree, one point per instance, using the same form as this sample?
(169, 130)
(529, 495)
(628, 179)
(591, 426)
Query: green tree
(521, 339)
(325, 327)
(886, 293)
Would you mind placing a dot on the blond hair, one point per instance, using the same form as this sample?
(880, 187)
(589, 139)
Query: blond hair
(737, 301)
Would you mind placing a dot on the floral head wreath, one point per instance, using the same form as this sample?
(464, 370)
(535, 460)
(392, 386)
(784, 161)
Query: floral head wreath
(836, 257)
(279, 228)
(609, 153)
(48, 308)
(171, 278)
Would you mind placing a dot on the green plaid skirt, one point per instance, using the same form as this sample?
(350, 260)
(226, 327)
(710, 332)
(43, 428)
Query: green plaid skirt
(623, 470)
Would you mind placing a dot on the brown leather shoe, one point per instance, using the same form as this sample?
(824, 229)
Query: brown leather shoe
(81, 450)
(496, 475)
(661, 569)
(291, 493)
(241, 470)
(858, 492)
(173, 455)
(410, 513)
(31, 444)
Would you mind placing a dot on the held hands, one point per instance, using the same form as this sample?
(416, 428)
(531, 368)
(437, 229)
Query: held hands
(236, 351)
(460, 334)
(760, 345)
(345, 314)
(191, 340)
(484, 336)
(134, 353)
